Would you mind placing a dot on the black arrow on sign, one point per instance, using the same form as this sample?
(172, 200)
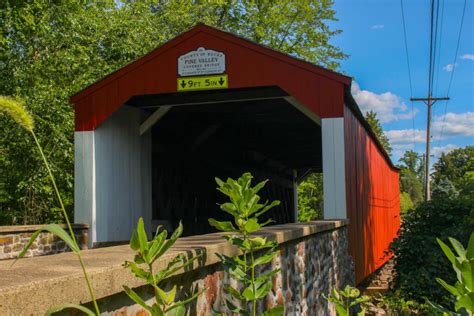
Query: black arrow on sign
(183, 84)
(221, 81)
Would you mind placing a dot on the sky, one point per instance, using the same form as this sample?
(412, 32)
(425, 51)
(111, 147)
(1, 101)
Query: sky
(373, 38)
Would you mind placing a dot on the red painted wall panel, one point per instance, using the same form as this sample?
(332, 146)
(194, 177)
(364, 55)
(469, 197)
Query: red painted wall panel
(373, 198)
(247, 65)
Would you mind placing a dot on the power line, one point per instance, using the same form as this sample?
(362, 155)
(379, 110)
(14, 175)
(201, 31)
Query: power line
(430, 100)
(452, 72)
(435, 45)
(409, 74)
(439, 48)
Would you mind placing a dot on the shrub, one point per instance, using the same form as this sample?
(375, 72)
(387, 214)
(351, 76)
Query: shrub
(417, 258)
(406, 203)
(463, 264)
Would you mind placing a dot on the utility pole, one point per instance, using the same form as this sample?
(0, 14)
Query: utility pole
(429, 101)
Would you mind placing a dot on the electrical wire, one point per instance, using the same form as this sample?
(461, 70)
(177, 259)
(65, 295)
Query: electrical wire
(452, 72)
(409, 73)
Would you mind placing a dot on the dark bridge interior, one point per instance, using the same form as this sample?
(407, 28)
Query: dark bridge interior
(223, 134)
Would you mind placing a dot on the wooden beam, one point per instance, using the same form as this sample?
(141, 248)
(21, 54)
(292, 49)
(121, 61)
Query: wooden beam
(303, 109)
(153, 119)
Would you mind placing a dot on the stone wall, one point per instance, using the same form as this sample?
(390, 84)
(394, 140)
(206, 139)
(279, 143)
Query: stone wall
(14, 238)
(313, 258)
(310, 267)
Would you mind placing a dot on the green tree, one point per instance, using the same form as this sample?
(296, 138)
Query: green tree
(406, 203)
(411, 175)
(310, 198)
(374, 123)
(454, 166)
(52, 49)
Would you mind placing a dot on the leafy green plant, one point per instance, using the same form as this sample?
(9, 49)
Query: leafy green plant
(16, 110)
(347, 300)
(394, 304)
(416, 252)
(147, 253)
(463, 265)
(244, 206)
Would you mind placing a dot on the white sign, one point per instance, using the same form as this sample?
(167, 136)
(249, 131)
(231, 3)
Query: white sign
(201, 62)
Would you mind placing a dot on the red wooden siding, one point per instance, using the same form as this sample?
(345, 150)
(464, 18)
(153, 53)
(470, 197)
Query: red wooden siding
(247, 65)
(373, 198)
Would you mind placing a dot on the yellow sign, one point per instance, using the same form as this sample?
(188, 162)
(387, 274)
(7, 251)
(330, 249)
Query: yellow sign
(202, 83)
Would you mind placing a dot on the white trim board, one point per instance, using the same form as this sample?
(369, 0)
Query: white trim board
(334, 172)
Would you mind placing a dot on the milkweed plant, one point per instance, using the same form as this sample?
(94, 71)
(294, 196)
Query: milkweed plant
(245, 207)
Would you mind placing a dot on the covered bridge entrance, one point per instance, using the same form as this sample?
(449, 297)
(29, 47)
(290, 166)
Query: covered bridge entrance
(151, 137)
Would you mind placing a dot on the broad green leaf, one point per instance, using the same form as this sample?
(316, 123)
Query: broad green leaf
(222, 226)
(171, 269)
(186, 301)
(438, 308)
(267, 275)
(265, 258)
(176, 311)
(470, 247)
(359, 301)
(252, 225)
(61, 307)
(275, 311)
(137, 271)
(447, 251)
(451, 289)
(54, 229)
(258, 241)
(239, 242)
(466, 301)
(136, 298)
(267, 208)
(156, 245)
(231, 290)
(248, 293)
(341, 310)
(458, 247)
(170, 242)
(142, 238)
(229, 208)
(466, 270)
(134, 242)
(167, 297)
(263, 290)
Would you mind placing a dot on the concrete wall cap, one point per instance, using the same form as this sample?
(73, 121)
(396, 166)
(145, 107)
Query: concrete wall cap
(32, 228)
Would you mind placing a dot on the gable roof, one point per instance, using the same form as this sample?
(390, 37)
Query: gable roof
(201, 27)
(248, 65)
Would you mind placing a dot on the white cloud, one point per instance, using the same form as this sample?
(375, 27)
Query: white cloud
(377, 27)
(437, 151)
(406, 136)
(388, 106)
(450, 67)
(455, 125)
(468, 56)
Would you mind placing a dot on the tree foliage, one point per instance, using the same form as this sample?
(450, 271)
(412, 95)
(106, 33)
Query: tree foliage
(417, 258)
(310, 198)
(411, 166)
(454, 173)
(52, 49)
(374, 123)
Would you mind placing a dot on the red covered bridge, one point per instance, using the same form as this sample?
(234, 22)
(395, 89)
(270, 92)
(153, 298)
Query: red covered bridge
(151, 137)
